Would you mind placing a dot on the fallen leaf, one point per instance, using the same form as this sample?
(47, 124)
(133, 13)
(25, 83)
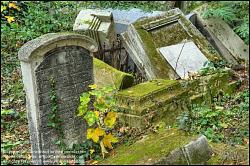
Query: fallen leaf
(108, 139)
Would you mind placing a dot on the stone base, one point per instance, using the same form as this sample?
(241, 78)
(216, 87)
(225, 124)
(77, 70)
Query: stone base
(171, 146)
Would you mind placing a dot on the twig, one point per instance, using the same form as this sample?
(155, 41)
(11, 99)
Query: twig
(180, 53)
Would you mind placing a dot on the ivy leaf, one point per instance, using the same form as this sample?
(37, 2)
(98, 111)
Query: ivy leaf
(13, 5)
(94, 86)
(94, 134)
(84, 98)
(9, 19)
(3, 8)
(108, 139)
(81, 110)
(92, 151)
(91, 118)
(110, 119)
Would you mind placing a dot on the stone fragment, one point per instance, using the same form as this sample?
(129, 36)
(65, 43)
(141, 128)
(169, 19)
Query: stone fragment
(97, 24)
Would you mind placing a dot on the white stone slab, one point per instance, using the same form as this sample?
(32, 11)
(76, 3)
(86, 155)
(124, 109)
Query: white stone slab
(191, 58)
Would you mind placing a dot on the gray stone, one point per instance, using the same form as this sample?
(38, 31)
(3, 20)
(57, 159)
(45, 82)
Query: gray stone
(196, 152)
(97, 24)
(228, 43)
(67, 58)
(144, 37)
(184, 57)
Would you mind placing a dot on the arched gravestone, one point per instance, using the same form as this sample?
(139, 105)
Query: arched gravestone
(67, 59)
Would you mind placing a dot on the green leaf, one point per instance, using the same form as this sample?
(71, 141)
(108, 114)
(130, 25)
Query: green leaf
(91, 118)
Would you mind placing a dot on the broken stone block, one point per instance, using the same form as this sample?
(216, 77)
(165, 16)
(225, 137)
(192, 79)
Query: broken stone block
(162, 100)
(105, 75)
(151, 102)
(98, 24)
(231, 47)
(143, 39)
(195, 152)
(170, 146)
(184, 57)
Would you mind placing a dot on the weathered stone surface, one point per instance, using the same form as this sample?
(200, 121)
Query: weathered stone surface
(105, 75)
(184, 57)
(145, 36)
(162, 100)
(66, 58)
(166, 147)
(151, 102)
(195, 152)
(224, 154)
(228, 43)
(98, 24)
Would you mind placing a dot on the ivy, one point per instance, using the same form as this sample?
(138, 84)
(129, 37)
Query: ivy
(101, 117)
(54, 119)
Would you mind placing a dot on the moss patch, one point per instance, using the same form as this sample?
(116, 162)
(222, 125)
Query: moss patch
(147, 88)
(224, 154)
(150, 149)
(107, 75)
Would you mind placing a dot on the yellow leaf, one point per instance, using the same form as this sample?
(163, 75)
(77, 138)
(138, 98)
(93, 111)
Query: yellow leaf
(110, 119)
(103, 149)
(108, 139)
(97, 113)
(9, 19)
(13, 5)
(92, 151)
(94, 86)
(94, 134)
(99, 131)
(3, 8)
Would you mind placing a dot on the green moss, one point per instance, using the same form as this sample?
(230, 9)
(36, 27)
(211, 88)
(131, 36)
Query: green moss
(107, 75)
(229, 155)
(150, 149)
(147, 88)
(160, 66)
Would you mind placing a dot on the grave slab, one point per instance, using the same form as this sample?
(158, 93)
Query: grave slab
(144, 37)
(184, 57)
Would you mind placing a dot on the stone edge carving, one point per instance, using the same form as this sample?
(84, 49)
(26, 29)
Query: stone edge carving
(52, 40)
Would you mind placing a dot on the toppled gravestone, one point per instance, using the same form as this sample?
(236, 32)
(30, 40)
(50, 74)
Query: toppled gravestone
(105, 75)
(55, 65)
(231, 47)
(145, 37)
(170, 146)
(97, 24)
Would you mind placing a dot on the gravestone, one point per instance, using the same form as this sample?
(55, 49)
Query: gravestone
(145, 37)
(184, 57)
(231, 47)
(67, 59)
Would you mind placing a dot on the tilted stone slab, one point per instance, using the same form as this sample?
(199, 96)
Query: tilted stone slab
(228, 43)
(184, 58)
(170, 147)
(67, 59)
(105, 75)
(144, 37)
